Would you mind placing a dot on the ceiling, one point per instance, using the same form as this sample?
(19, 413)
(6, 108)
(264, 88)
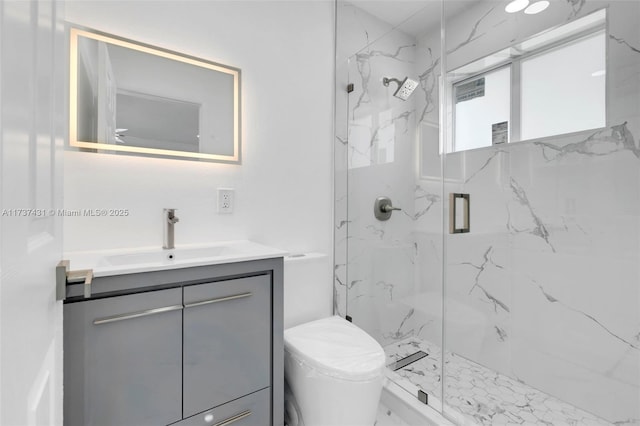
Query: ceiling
(417, 17)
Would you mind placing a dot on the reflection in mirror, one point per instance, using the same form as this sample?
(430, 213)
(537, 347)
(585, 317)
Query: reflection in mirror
(154, 122)
(518, 94)
(129, 98)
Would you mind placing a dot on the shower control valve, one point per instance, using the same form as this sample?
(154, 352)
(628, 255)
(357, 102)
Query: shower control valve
(382, 208)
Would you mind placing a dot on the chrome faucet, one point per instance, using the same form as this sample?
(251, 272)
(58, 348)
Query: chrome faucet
(170, 219)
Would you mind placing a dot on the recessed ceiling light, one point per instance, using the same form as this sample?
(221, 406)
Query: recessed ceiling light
(516, 6)
(598, 73)
(537, 7)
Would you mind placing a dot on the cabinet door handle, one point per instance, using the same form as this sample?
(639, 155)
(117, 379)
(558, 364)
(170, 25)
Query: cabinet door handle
(234, 419)
(217, 299)
(138, 314)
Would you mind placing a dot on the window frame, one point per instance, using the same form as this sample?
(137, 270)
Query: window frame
(515, 118)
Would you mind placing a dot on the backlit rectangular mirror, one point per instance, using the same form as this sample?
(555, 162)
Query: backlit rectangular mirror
(129, 98)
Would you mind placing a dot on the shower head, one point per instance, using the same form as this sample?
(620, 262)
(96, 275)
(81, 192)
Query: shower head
(405, 87)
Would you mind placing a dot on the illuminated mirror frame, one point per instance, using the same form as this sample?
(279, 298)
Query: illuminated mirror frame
(73, 99)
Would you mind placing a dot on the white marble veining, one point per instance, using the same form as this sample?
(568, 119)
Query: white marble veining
(380, 130)
(477, 395)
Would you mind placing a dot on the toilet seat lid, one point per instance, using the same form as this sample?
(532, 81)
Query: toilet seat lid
(337, 348)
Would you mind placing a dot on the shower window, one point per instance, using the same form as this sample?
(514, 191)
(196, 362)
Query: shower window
(482, 109)
(537, 92)
(573, 75)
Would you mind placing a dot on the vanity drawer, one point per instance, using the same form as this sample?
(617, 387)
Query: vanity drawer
(251, 410)
(227, 341)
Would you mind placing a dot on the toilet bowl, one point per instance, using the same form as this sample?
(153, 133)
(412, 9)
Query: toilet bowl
(333, 373)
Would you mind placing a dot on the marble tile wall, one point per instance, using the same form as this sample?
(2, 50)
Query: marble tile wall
(377, 161)
(545, 289)
(551, 264)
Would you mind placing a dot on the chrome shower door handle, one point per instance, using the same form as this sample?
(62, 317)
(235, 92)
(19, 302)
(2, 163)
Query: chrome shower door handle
(453, 201)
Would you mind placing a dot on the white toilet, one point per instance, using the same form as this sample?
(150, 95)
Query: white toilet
(334, 373)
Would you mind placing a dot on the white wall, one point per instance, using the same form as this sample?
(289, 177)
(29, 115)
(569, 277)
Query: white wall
(283, 187)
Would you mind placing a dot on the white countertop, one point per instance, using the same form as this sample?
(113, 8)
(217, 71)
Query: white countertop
(146, 259)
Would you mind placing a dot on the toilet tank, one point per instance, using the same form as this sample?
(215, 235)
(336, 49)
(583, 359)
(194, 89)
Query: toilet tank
(308, 289)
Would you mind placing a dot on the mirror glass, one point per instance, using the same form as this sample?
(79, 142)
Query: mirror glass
(129, 98)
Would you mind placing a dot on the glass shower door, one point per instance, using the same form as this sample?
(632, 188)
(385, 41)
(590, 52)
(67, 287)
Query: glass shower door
(541, 129)
(390, 282)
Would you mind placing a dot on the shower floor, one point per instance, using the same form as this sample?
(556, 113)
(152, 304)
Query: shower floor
(478, 395)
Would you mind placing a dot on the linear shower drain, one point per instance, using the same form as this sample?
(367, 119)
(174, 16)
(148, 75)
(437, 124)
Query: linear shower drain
(409, 359)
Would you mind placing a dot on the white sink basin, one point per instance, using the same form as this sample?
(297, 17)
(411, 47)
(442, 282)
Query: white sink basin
(165, 256)
(115, 262)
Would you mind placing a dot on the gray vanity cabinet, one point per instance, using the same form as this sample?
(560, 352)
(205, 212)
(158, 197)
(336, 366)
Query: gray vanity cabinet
(198, 346)
(123, 360)
(227, 341)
